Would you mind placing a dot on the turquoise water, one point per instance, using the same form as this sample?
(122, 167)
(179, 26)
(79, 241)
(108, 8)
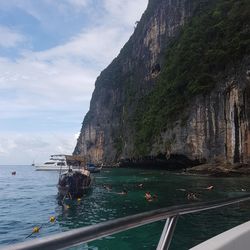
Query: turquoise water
(28, 199)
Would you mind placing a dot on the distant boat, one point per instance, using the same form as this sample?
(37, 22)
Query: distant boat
(61, 162)
(73, 184)
(33, 164)
(55, 163)
(92, 168)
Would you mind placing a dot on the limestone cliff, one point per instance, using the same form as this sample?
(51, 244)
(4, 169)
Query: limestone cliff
(217, 129)
(207, 126)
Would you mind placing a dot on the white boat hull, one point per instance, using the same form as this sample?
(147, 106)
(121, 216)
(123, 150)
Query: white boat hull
(236, 238)
(51, 168)
(60, 163)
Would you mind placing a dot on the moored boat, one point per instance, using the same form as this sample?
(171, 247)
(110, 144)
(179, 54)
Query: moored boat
(74, 184)
(61, 162)
(55, 163)
(92, 168)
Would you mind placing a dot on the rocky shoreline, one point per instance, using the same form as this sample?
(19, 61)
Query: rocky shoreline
(221, 170)
(182, 164)
(189, 167)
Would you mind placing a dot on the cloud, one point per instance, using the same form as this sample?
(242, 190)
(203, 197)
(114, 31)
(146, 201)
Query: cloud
(29, 88)
(59, 78)
(86, 46)
(78, 3)
(123, 11)
(31, 146)
(10, 38)
(46, 91)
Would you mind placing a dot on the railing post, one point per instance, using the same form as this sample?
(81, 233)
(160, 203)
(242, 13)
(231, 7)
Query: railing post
(167, 233)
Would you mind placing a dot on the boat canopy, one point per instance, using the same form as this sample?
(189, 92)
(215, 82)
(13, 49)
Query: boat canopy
(75, 160)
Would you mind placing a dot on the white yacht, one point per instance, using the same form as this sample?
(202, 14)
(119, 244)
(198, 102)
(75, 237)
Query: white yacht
(61, 162)
(55, 163)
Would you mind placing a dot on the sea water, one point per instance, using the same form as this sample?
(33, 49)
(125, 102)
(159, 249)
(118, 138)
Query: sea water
(29, 198)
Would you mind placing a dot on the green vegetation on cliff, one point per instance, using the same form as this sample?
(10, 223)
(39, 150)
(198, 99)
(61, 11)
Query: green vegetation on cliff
(217, 37)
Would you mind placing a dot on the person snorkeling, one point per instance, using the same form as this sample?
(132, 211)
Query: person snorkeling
(209, 187)
(107, 187)
(192, 196)
(124, 192)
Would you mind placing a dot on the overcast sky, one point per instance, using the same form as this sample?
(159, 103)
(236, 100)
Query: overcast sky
(51, 52)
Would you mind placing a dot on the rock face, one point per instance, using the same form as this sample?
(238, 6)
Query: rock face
(217, 127)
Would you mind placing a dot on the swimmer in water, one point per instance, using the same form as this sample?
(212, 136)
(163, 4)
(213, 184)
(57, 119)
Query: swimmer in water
(124, 192)
(192, 196)
(107, 187)
(148, 196)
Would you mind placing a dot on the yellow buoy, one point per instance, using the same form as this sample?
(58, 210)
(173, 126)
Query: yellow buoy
(35, 230)
(52, 219)
(79, 199)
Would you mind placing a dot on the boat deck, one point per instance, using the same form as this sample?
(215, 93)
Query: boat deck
(235, 238)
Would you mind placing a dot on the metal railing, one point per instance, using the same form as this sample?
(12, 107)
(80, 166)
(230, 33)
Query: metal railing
(89, 233)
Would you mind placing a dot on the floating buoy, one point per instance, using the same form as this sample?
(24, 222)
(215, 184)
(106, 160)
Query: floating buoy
(79, 199)
(13, 173)
(35, 229)
(52, 219)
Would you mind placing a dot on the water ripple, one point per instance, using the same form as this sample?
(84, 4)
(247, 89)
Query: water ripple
(29, 199)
